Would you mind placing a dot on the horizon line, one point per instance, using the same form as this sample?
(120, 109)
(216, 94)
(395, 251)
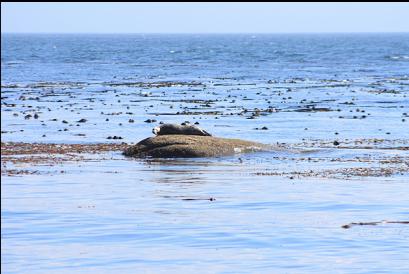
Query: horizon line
(214, 33)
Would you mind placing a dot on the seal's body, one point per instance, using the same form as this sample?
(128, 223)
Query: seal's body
(172, 129)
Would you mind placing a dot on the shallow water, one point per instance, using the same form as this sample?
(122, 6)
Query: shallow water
(243, 214)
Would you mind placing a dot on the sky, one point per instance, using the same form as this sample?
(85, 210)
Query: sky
(203, 17)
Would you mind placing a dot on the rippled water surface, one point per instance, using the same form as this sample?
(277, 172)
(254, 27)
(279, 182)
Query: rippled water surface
(272, 212)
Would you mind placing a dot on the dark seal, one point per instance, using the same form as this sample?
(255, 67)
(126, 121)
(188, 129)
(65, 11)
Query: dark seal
(174, 129)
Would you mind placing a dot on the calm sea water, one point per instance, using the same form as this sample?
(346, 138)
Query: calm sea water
(114, 214)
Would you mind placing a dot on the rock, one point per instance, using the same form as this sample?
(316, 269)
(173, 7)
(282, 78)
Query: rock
(189, 146)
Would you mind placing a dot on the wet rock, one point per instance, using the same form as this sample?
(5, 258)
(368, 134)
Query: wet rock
(114, 137)
(183, 129)
(188, 146)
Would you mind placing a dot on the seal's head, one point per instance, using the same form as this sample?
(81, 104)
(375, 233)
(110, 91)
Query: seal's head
(156, 130)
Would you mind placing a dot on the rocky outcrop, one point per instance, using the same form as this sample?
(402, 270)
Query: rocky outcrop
(187, 146)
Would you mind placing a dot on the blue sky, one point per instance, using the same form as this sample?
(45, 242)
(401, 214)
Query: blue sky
(203, 17)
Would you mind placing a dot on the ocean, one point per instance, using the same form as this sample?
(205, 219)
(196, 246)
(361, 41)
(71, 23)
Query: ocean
(337, 103)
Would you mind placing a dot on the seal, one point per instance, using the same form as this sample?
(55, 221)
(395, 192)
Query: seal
(174, 129)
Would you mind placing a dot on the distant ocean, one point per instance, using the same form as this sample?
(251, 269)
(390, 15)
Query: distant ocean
(95, 58)
(246, 71)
